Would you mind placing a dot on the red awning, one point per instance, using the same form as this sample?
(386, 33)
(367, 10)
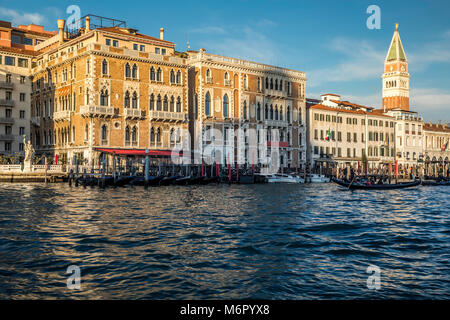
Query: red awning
(140, 152)
(281, 144)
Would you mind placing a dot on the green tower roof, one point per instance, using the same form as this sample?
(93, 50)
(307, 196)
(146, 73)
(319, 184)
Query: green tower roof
(396, 51)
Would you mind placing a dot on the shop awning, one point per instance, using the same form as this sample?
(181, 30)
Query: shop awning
(140, 152)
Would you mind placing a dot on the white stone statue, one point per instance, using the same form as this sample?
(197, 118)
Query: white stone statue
(29, 153)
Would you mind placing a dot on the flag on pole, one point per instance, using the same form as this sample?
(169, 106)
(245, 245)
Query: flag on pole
(328, 137)
(445, 146)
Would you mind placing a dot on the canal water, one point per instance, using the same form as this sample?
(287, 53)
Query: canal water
(224, 242)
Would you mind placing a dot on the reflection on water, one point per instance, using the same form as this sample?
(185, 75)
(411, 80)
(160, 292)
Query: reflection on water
(223, 242)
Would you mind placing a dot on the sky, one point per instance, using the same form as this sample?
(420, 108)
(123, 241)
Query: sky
(329, 40)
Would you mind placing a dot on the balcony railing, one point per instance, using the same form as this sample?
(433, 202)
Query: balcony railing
(209, 80)
(276, 123)
(227, 82)
(6, 103)
(6, 85)
(36, 121)
(7, 120)
(133, 113)
(131, 143)
(281, 144)
(97, 111)
(62, 115)
(275, 93)
(164, 115)
(7, 137)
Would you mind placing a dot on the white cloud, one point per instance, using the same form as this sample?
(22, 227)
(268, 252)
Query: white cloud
(246, 42)
(433, 104)
(209, 30)
(17, 17)
(361, 61)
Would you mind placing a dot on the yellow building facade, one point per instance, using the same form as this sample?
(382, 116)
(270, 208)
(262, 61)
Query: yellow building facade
(108, 88)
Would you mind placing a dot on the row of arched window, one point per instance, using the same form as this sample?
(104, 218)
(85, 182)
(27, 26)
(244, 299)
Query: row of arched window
(156, 136)
(225, 105)
(270, 113)
(131, 135)
(132, 72)
(165, 104)
(131, 100)
(391, 84)
(272, 84)
(59, 137)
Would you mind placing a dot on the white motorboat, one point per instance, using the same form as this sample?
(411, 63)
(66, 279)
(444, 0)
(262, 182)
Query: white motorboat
(283, 178)
(318, 178)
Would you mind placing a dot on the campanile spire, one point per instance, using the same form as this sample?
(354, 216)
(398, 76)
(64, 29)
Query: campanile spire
(396, 76)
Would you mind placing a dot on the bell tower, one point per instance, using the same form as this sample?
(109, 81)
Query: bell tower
(396, 76)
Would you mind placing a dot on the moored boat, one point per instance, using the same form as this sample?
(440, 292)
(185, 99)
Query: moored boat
(168, 180)
(318, 178)
(283, 178)
(436, 183)
(363, 186)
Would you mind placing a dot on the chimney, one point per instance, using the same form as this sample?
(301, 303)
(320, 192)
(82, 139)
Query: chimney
(61, 24)
(161, 33)
(88, 24)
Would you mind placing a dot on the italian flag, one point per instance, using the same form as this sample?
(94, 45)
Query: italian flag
(328, 137)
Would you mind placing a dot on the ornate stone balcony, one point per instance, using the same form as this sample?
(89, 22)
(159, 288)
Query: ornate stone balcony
(131, 113)
(62, 115)
(167, 116)
(36, 121)
(6, 85)
(7, 120)
(7, 137)
(275, 93)
(97, 111)
(6, 103)
(276, 123)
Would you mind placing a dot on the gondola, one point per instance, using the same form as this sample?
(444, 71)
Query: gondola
(197, 180)
(436, 183)
(359, 186)
(168, 180)
(182, 181)
(208, 180)
(122, 181)
(152, 181)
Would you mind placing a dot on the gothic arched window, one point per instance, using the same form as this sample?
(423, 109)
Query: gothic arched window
(104, 97)
(152, 74)
(127, 99)
(134, 101)
(207, 104)
(104, 67)
(225, 106)
(172, 104)
(127, 70)
(172, 76)
(152, 102)
(178, 104)
(134, 72)
(158, 103)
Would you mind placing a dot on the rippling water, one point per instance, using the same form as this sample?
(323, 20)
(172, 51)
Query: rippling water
(223, 242)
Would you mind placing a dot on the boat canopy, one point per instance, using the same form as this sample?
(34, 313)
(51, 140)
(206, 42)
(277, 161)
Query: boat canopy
(140, 152)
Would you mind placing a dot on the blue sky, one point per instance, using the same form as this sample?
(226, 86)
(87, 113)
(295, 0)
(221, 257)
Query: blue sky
(329, 40)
